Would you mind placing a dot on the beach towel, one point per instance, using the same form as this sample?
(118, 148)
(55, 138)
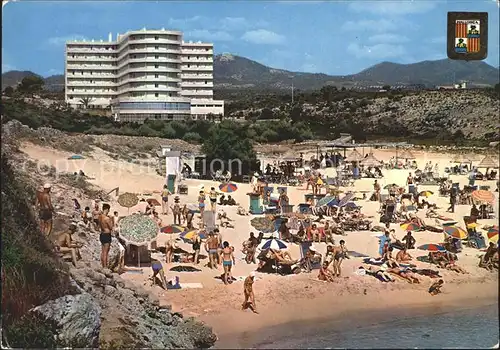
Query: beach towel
(191, 285)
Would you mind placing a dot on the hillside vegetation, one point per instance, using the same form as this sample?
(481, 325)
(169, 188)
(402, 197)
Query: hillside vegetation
(32, 274)
(455, 116)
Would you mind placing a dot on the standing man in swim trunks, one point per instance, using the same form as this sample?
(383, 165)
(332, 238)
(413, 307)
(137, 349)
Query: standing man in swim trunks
(227, 262)
(164, 200)
(339, 253)
(106, 227)
(213, 198)
(46, 210)
(211, 245)
(248, 292)
(201, 203)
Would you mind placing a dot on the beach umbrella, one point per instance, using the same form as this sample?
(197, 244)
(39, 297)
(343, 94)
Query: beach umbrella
(432, 247)
(406, 154)
(354, 156)
(189, 235)
(426, 193)
(455, 232)
(138, 229)
(172, 229)
(263, 224)
(153, 202)
(483, 196)
(325, 201)
(370, 161)
(410, 226)
(390, 186)
(461, 158)
(492, 234)
(76, 156)
(347, 198)
(273, 243)
(128, 200)
(488, 162)
(228, 187)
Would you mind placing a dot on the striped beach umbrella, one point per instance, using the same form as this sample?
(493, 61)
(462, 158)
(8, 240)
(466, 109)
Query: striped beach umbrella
(455, 232)
(325, 201)
(172, 229)
(426, 193)
(492, 234)
(273, 243)
(410, 226)
(432, 247)
(228, 187)
(483, 196)
(189, 235)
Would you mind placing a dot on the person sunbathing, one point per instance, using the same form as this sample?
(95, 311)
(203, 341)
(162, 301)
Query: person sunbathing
(65, 245)
(325, 274)
(241, 211)
(435, 288)
(487, 260)
(403, 256)
(388, 258)
(407, 275)
(379, 273)
(282, 256)
(450, 265)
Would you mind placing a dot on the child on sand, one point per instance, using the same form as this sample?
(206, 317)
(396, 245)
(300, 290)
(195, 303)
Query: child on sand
(248, 293)
(435, 288)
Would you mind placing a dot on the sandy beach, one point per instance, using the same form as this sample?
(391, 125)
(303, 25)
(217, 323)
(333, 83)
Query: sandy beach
(285, 299)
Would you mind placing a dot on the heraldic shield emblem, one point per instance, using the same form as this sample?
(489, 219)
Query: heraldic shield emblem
(467, 35)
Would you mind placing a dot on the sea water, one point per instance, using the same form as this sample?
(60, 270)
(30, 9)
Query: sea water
(466, 328)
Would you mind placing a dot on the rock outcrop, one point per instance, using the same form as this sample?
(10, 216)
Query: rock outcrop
(78, 318)
(132, 317)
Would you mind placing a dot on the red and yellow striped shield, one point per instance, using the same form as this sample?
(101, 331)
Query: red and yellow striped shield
(460, 29)
(473, 44)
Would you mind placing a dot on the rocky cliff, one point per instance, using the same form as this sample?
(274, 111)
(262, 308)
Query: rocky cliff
(49, 304)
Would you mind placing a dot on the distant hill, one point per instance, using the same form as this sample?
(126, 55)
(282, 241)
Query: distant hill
(440, 72)
(235, 72)
(14, 77)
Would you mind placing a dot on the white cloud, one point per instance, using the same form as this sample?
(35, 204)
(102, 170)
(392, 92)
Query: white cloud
(388, 39)
(264, 37)
(379, 25)
(204, 34)
(233, 23)
(379, 51)
(392, 7)
(61, 40)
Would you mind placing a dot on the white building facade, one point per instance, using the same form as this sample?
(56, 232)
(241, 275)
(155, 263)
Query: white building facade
(146, 74)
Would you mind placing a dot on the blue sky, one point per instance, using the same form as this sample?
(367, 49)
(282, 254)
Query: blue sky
(312, 36)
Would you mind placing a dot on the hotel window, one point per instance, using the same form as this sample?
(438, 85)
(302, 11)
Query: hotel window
(156, 37)
(156, 95)
(156, 85)
(156, 56)
(156, 75)
(156, 47)
(156, 66)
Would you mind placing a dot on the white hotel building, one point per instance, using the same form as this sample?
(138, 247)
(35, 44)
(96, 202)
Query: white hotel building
(146, 74)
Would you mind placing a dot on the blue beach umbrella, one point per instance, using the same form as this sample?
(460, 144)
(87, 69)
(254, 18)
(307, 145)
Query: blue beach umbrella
(273, 243)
